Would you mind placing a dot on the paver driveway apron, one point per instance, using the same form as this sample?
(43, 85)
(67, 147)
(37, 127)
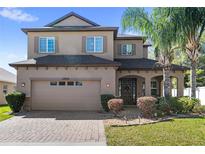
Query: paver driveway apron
(53, 127)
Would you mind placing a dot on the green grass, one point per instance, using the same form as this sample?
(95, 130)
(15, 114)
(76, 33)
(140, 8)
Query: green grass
(4, 109)
(186, 131)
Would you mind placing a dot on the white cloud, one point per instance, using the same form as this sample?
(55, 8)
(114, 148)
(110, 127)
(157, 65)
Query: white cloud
(12, 56)
(17, 15)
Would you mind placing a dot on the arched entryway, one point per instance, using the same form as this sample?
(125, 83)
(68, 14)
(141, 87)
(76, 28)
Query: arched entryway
(134, 84)
(157, 86)
(130, 88)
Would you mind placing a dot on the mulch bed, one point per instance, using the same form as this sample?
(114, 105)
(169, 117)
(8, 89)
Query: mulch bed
(131, 117)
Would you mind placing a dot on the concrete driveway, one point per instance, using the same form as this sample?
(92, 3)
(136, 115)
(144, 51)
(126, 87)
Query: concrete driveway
(53, 128)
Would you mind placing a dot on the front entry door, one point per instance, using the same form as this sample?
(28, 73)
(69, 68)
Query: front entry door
(128, 90)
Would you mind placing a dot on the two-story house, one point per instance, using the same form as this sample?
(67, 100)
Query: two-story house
(72, 61)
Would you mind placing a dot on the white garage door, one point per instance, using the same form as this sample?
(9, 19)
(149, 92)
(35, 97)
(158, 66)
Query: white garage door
(65, 95)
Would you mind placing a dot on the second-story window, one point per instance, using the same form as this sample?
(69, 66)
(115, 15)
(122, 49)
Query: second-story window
(126, 49)
(46, 44)
(94, 44)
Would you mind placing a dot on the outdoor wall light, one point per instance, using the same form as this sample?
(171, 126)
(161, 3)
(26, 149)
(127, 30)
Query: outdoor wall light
(23, 84)
(107, 85)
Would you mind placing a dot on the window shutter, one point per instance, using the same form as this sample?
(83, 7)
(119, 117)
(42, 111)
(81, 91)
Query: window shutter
(133, 49)
(84, 44)
(36, 44)
(56, 44)
(105, 43)
(119, 49)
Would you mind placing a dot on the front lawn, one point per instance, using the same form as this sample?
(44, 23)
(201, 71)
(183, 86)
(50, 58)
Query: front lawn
(186, 131)
(4, 109)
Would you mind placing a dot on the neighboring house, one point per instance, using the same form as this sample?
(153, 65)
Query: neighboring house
(72, 61)
(7, 84)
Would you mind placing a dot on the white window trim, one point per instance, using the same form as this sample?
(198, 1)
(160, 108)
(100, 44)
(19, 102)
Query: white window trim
(156, 84)
(5, 89)
(126, 49)
(78, 85)
(62, 85)
(46, 44)
(66, 85)
(155, 88)
(53, 85)
(70, 85)
(94, 51)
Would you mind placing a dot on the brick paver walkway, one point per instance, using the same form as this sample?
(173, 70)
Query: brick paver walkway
(50, 127)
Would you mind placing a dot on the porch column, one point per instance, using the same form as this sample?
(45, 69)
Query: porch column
(147, 86)
(171, 86)
(180, 85)
(139, 87)
(161, 88)
(117, 86)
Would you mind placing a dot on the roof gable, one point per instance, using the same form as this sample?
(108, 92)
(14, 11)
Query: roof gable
(71, 19)
(7, 76)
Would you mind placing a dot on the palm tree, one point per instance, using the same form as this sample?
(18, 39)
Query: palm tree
(161, 33)
(189, 24)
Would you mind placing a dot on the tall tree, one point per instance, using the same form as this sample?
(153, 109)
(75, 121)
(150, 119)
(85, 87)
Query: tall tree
(189, 24)
(160, 31)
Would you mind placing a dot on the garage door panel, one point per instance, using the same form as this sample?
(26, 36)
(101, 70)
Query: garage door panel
(46, 97)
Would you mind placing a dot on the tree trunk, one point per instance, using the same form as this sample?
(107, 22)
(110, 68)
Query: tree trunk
(166, 82)
(193, 79)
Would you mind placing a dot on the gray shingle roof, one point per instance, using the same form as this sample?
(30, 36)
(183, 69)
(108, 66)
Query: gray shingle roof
(70, 28)
(142, 63)
(67, 60)
(7, 76)
(90, 60)
(130, 37)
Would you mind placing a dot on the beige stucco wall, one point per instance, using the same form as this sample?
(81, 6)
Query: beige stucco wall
(72, 21)
(71, 42)
(140, 86)
(139, 48)
(103, 74)
(145, 52)
(11, 88)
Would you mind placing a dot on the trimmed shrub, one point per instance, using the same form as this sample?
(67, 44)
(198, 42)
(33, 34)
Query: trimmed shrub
(118, 97)
(147, 106)
(187, 103)
(199, 109)
(182, 104)
(159, 113)
(175, 106)
(163, 106)
(15, 100)
(115, 105)
(104, 101)
(196, 101)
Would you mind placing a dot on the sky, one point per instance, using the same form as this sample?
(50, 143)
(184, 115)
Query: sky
(13, 42)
